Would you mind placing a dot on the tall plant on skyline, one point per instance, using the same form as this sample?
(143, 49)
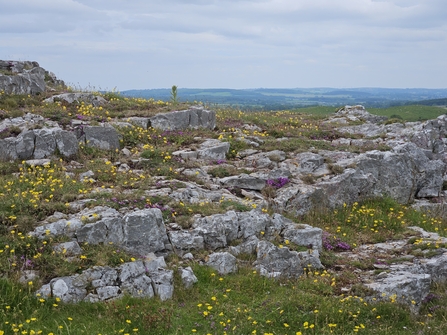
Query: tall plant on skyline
(174, 97)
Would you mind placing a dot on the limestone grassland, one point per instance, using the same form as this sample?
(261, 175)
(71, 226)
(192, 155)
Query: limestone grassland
(133, 216)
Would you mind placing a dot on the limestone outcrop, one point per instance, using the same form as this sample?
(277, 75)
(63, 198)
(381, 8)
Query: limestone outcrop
(195, 117)
(410, 168)
(142, 278)
(39, 143)
(26, 77)
(70, 98)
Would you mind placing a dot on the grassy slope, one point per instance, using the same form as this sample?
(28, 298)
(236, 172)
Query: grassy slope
(242, 303)
(411, 112)
(407, 113)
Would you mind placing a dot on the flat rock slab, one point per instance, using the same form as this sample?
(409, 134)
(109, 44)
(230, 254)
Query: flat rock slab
(195, 117)
(211, 149)
(244, 181)
(70, 98)
(403, 286)
(104, 138)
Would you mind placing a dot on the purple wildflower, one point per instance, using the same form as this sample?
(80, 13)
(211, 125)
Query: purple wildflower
(331, 243)
(278, 183)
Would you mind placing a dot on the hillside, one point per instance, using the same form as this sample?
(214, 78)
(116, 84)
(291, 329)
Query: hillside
(126, 215)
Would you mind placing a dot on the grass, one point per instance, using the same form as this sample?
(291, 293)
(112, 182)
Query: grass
(410, 113)
(317, 110)
(373, 221)
(240, 303)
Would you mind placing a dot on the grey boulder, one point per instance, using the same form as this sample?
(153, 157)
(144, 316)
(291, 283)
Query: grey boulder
(144, 231)
(223, 262)
(244, 181)
(104, 138)
(163, 283)
(273, 261)
(195, 117)
(188, 277)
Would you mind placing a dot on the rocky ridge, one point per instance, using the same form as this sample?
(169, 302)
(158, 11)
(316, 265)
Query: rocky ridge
(412, 170)
(25, 77)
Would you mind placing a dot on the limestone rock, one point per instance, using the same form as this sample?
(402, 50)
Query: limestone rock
(247, 247)
(223, 262)
(213, 149)
(70, 98)
(105, 138)
(71, 248)
(28, 81)
(404, 287)
(144, 231)
(252, 223)
(108, 292)
(186, 240)
(38, 144)
(359, 112)
(138, 279)
(188, 277)
(195, 117)
(66, 143)
(58, 228)
(67, 289)
(243, 181)
(8, 149)
(304, 235)
(264, 159)
(309, 162)
(163, 283)
(142, 122)
(210, 149)
(436, 267)
(107, 229)
(134, 280)
(45, 143)
(194, 194)
(217, 230)
(274, 262)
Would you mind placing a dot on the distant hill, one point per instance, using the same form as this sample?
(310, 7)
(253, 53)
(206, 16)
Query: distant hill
(287, 98)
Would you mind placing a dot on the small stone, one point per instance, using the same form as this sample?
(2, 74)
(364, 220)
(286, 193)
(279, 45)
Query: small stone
(188, 256)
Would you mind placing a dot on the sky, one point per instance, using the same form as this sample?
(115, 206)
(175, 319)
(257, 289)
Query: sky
(144, 44)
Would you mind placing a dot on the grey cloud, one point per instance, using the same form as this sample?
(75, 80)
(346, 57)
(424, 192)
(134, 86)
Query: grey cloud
(43, 6)
(232, 43)
(29, 16)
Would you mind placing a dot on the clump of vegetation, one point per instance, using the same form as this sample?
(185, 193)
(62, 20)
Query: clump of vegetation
(221, 172)
(394, 119)
(308, 179)
(12, 131)
(335, 169)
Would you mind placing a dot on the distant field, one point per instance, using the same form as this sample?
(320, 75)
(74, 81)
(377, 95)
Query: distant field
(407, 113)
(411, 112)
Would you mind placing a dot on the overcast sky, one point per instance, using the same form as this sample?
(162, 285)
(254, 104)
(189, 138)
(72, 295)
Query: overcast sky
(137, 44)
